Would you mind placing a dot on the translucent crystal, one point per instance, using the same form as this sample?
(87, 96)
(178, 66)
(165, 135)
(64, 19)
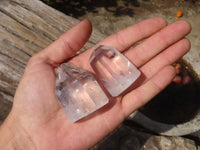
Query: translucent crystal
(113, 69)
(78, 92)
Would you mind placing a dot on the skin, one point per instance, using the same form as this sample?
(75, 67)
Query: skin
(37, 121)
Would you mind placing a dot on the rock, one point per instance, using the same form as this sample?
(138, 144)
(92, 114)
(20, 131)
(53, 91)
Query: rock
(178, 68)
(127, 138)
(113, 70)
(186, 80)
(177, 79)
(78, 92)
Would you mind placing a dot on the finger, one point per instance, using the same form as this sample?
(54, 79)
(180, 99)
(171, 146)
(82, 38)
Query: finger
(143, 52)
(169, 56)
(68, 43)
(138, 97)
(125, 38)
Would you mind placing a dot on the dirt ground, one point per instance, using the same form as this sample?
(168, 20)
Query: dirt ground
(109, 16)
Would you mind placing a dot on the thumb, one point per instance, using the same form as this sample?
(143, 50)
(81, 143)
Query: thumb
(67, 44)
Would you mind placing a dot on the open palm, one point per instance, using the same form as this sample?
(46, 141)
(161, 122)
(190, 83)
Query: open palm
(36, 110)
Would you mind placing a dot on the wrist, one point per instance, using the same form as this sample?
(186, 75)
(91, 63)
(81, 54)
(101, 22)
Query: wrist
(13, 136)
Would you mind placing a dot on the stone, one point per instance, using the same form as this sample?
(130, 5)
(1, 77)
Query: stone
(113, 69)
(126, 137)
(78, 92)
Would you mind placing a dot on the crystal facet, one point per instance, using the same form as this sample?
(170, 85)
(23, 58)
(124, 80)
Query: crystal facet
(78, 92)
(113, 69)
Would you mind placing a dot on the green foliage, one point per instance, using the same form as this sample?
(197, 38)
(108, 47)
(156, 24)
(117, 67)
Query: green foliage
(47, 1)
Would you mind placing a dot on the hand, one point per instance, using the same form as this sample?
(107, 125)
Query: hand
(37, 121)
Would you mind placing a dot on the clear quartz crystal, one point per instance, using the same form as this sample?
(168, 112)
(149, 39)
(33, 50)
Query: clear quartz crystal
(78, 92)
(113, 69)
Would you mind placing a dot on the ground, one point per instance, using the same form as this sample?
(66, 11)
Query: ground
(111, 16)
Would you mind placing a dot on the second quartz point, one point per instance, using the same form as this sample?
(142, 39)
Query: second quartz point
(78, 92)
(113, 69)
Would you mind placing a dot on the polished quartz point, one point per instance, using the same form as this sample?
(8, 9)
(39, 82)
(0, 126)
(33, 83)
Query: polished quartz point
(113, 69)
(78, 92)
